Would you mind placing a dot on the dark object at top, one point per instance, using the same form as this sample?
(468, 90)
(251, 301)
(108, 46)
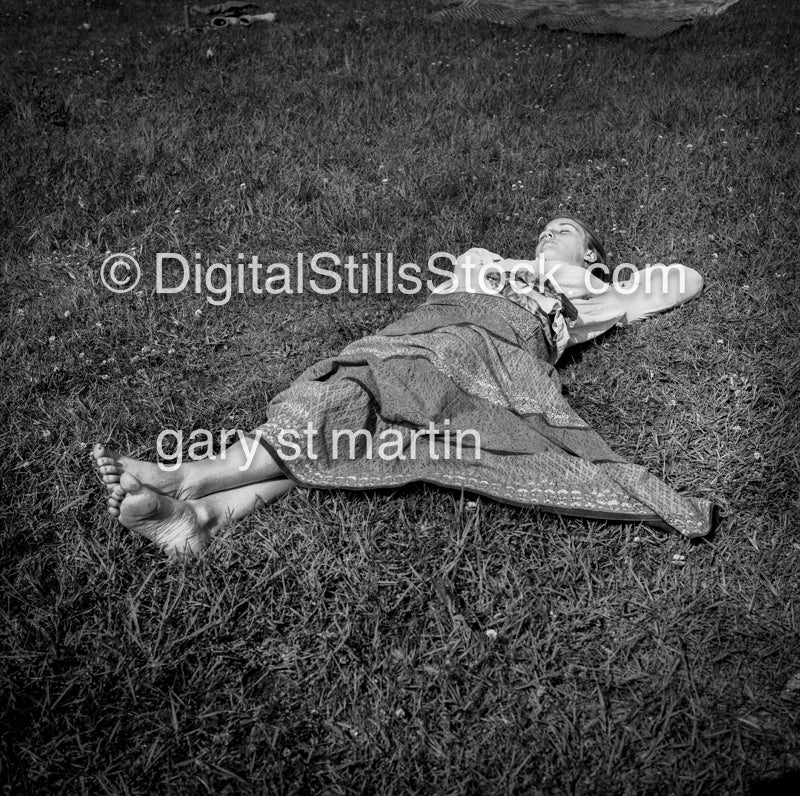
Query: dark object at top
(234, 8)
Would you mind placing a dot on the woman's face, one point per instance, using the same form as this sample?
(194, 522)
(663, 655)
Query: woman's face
(564, 241)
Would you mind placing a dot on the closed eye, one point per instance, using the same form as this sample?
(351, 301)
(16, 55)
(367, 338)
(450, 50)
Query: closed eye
(562, 230)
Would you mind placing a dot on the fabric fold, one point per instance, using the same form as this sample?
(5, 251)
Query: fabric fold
(460, 393)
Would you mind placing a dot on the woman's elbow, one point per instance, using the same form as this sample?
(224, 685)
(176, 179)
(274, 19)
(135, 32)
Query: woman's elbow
(693, 284)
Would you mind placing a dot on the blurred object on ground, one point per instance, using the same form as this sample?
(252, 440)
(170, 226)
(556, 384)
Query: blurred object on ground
(230, 14)
(643, 19)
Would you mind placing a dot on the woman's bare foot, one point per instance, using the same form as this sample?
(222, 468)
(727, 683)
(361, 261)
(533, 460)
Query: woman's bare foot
(111, 465)
(178, 527)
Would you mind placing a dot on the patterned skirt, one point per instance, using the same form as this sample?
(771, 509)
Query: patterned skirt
(460, 393)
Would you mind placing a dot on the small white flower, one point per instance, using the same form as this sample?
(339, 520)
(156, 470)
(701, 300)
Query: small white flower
(757, 456)
(491, 634)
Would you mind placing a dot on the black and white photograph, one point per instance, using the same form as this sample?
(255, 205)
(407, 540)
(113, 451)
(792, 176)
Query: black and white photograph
(400, 397)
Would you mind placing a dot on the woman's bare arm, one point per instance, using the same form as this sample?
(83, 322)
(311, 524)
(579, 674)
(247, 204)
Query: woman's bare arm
(654, 289)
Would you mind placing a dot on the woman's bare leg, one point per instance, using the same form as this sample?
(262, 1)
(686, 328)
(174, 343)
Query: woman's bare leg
(246, 462)
(185, 527)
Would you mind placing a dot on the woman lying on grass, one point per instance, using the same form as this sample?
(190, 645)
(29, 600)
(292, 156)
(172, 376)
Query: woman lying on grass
(470, 373)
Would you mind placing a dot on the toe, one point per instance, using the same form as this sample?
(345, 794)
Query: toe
(129, 483)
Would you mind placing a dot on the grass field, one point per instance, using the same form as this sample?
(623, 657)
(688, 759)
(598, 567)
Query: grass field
(418, 641)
